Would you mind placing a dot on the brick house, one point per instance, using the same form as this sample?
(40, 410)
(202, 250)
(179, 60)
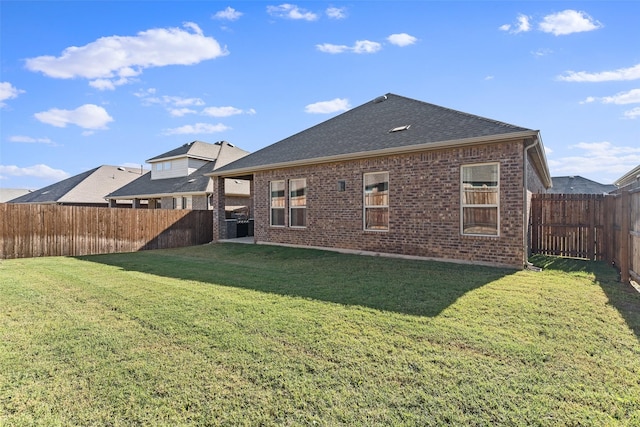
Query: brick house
(397, 176)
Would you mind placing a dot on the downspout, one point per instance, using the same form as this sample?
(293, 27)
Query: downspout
(525, 213)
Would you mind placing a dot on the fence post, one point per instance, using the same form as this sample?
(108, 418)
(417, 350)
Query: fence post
(624, 236)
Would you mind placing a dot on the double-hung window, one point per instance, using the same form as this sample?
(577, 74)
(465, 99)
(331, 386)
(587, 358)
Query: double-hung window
(480, 194)
(298, 202)
(277, 201)
(376, 201)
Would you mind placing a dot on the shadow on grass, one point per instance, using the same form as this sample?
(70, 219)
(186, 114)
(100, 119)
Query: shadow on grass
(622, 296)
(421, 288)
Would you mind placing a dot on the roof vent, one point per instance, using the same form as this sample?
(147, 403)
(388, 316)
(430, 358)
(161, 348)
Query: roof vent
(380, 99)
(192, 180)
(399, 128)
(120, 168)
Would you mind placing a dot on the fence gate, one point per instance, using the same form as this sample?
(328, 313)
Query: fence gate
(570, 225)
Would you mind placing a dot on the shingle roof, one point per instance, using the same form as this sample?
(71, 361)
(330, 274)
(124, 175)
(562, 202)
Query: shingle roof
(89, 187)
(578, 185)
(195, 149)
(366, 129)
(195, 183)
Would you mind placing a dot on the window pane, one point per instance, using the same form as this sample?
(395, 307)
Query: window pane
(376, 189)
(298, 217)
(480, 195)
(277, 201)
(480, 175)
(277, 194)
(376, 218)
(376, 201)
(277, 216)
(480, 220)
(297, 192)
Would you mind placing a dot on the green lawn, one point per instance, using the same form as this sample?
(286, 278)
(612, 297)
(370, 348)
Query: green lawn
(233, 334)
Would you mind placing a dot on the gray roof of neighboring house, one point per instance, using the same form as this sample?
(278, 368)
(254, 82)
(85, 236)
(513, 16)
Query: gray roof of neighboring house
(89, 187)
(198, 150)
(367, 130)
(195, 183)
(578, 185)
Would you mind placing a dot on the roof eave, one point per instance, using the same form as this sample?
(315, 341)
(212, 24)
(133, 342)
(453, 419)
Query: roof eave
(156, 196)
(377, 153)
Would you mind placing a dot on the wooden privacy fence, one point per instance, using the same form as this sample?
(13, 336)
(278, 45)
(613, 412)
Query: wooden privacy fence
(590, 226)
(51, 230)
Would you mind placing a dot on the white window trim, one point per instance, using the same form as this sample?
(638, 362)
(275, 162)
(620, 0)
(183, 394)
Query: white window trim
(364, 204)
(297, 207)
(464, 205)
(284, 208)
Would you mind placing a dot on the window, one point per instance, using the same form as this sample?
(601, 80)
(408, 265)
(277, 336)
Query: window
(178, 203)
(187, 202)
(376, 201)
(298, 202)
(167, 166)
(480, 193)
(277, 200)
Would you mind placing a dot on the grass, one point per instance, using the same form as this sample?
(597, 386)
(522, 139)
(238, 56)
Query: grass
(232, 334)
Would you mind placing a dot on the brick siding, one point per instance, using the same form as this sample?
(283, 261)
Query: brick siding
(424, 206)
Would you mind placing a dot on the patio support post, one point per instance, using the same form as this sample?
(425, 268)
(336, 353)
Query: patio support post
(218, 202)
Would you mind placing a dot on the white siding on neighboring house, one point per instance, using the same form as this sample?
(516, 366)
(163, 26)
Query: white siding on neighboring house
(170, 169)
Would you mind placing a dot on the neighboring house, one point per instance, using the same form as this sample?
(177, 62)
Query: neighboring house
(7, 194)
(178, 181)
(631, 179)
(85, 189)
(397, 176)
(578, 185)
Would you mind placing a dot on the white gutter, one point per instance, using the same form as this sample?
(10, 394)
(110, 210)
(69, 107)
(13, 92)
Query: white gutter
(525, 213)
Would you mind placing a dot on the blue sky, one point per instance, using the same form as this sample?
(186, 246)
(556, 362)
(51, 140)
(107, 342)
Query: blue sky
(87, 83)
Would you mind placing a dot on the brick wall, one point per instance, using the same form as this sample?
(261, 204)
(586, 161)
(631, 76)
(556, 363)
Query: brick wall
(424, 206)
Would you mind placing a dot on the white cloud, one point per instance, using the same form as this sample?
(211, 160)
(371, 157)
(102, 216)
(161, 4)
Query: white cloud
(541, 52)
(568, 22)
(336, 12)
(88, 116)
(37, 171)
(366, 46)
(634, 113)
(522, 25)
(402, 39)
(328, 107)
(221, 111)
(360, 46)
(29, 140)
(332, 48)
(177, 106)
(621, 74)
(630, 97)
(180, 112)
(291, 11)
(8, 91)
(198, 128)
(113, 61)
(229, 14)
(597, 157)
